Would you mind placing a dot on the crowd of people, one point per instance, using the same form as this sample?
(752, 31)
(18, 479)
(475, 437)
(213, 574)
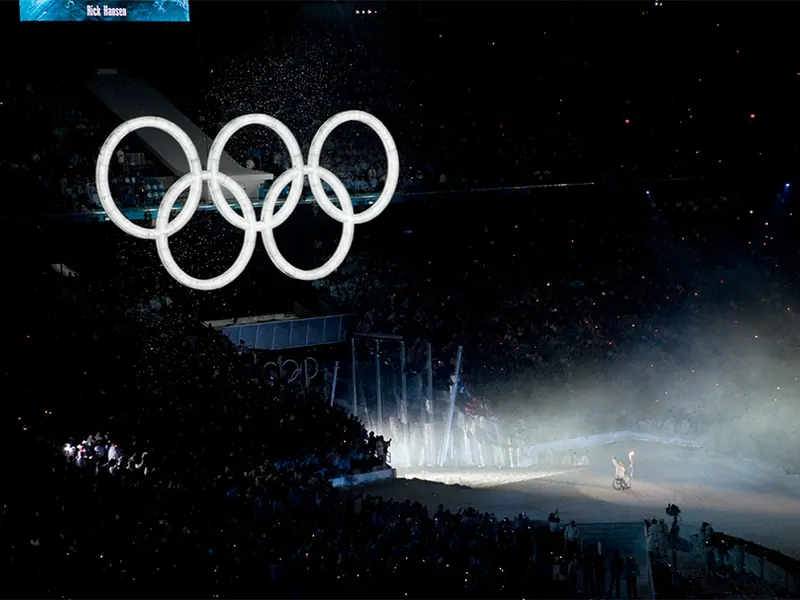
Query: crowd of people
(449, 300)
(619, 296)
(54, 162)
(201, 480)
(563, 137)
(204, 478)
(354, 164)
(178, 480)
(216, 472)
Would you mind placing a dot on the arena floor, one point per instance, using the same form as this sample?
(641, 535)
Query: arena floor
(740, 498)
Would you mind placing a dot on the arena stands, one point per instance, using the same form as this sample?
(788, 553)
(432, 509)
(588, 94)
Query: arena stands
(212, 475)
(56, 160)
(657, 299)
(165, 385)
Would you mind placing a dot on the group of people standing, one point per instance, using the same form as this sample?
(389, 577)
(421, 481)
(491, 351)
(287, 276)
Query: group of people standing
(657, 538)
(99, 452)
(592, 573)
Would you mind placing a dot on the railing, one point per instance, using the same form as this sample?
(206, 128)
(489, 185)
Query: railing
(364, 478)
(140, 213)
(769, 565)
(407, 195)
(135, 159)
(777, 570)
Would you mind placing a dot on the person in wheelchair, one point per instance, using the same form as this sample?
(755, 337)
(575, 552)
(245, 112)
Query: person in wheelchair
(621, 472)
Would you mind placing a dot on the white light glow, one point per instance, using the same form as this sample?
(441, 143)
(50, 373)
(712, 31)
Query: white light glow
(193, 181)
(483, 478)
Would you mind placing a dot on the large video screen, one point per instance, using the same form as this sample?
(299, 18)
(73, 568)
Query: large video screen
(154, 11)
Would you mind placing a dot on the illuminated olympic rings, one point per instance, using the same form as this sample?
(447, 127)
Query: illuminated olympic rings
(247, 221)
(298, 370)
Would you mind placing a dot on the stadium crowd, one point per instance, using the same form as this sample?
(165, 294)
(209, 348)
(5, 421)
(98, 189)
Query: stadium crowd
(207, 481)
(216, 481)
(225, 473)
(575, 310)
(440, 148)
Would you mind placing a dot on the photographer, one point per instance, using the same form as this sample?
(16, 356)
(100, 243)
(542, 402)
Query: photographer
(553, 522)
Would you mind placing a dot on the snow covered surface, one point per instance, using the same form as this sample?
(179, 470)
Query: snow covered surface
(741, 498)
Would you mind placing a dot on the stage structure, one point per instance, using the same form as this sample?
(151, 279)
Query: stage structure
(379, 387)
(398, 391)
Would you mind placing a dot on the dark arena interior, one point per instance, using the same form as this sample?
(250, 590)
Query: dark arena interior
(560, 360)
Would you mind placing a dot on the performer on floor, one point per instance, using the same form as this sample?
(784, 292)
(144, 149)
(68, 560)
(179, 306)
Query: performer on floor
(621, 474)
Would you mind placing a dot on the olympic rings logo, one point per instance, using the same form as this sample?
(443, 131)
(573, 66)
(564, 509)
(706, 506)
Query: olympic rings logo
(298, 370)
(193, 181)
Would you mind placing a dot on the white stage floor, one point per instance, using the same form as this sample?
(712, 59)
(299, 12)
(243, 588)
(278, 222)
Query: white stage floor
(740, 498)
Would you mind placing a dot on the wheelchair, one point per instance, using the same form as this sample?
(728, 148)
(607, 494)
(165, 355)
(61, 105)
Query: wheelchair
(621, 484)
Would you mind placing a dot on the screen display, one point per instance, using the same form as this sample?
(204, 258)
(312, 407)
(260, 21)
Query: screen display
(154, 11)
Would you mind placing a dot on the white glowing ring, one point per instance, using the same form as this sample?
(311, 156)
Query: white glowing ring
(162, 238)
(316, 366)
(248, 222)
(297, 369)
(392, 167)
(348, 229)
(271, 364)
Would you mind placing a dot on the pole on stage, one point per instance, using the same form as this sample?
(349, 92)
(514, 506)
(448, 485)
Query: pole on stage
(427, 411)
(379, 417)
(335, 377)
(453, 394)
(404, 394)
(353, 375)
(429, 399)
